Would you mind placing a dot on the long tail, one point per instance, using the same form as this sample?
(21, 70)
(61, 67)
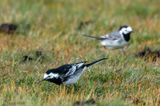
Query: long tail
(94, 62)
(97, 38)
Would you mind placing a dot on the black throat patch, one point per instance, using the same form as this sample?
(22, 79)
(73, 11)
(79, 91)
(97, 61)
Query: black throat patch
(126, 36)
(57, 81)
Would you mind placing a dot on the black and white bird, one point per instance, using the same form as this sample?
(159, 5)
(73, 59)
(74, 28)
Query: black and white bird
(68, 73)
(117, 39)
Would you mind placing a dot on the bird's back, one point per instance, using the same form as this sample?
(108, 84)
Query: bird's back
(112, 36)
(114, 40)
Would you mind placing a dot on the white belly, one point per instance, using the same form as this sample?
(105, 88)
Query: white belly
(114, 44)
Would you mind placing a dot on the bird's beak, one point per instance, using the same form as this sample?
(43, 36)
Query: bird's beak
(44, 78)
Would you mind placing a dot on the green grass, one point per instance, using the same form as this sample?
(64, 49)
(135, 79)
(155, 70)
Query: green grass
(51, 27)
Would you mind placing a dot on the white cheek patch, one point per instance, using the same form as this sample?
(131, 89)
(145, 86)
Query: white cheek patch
(126, 30)
(122, 31)
(53, 75)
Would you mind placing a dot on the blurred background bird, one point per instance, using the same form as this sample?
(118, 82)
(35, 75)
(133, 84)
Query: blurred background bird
(115, 40)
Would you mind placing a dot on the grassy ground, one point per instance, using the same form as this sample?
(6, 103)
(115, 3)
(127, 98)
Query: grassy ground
(54, 27)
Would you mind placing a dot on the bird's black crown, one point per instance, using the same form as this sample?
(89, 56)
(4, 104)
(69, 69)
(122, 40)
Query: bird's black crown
(123, 26)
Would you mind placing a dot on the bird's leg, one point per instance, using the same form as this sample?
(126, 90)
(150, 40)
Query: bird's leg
(123, 51)
(104, 48)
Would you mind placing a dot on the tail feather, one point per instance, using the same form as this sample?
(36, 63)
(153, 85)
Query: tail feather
(97, 38)
(94, 62)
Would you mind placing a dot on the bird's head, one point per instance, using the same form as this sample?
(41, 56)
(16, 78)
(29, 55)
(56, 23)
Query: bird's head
(125, 29)
(50, 75)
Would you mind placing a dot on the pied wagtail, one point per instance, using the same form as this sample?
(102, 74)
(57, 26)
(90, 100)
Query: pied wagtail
(68, 73)
(117, 39)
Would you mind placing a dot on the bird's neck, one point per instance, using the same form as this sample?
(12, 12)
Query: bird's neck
(126, 37)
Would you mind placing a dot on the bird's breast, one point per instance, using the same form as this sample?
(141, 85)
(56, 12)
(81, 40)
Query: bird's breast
(114, 43)
(57, 81)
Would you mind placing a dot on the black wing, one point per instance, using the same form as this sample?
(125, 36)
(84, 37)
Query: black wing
(74, 70)
(62, 70)
(66, 70)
